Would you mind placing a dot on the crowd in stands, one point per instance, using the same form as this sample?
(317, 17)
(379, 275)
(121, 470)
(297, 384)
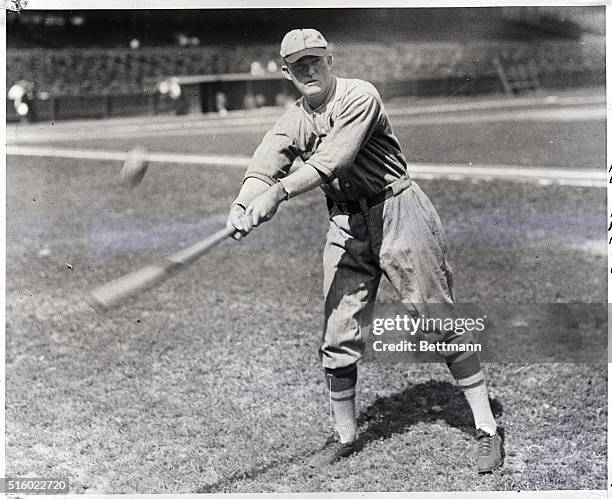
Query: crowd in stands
(126, 71)
(92, 71)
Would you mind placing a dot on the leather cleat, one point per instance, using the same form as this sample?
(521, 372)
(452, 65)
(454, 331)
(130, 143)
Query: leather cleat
(489, 454)
(332, 451)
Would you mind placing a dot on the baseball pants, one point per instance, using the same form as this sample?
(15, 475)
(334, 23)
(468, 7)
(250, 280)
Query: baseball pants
(403, 239)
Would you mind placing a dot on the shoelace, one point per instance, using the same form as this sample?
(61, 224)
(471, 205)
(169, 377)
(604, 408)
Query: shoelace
(332, 443)
(331, 440)
(485, 443)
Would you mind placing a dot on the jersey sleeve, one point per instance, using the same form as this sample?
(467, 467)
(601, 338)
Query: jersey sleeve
(276, 152)
(358, 117)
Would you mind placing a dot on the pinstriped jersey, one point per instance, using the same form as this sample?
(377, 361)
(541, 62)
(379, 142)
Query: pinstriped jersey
(348, 139)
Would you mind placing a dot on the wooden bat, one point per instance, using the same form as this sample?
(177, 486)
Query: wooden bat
(116, 291)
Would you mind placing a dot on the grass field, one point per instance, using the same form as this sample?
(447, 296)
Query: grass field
(211, 382)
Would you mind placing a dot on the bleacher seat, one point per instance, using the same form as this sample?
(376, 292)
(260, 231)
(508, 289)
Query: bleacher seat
(86, 71)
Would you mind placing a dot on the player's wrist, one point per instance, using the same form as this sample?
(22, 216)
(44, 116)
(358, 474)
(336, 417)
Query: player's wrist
(251, 188)
(279, 192)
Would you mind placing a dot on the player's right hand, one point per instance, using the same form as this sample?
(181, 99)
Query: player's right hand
(239, 220)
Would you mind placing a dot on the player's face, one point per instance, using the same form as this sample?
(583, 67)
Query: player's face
(311, 75)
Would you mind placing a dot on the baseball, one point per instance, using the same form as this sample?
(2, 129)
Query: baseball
(134, 168)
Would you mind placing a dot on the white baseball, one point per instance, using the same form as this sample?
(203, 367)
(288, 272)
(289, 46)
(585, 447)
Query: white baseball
(134, 167)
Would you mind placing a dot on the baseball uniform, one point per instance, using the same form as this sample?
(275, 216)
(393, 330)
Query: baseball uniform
(380, 223)
(350, 141)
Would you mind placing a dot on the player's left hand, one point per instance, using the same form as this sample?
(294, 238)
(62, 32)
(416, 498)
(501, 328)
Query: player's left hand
(264, 206)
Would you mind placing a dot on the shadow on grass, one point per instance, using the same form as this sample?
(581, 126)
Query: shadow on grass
(425, 402)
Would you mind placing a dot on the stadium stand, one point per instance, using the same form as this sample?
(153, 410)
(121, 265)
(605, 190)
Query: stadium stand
(406, 60)
(90, 71)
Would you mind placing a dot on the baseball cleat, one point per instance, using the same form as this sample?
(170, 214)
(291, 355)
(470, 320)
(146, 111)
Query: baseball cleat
(489, 454)
(334, 450)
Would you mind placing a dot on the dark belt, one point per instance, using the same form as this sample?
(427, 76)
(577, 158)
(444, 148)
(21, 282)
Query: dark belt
(353, 207)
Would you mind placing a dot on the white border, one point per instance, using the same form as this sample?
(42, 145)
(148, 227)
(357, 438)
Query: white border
(238, 4)
(608, 221)
(519, 494)
(3, 239)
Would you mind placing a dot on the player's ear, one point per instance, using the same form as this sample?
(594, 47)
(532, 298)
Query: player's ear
(330, 59)
(285, 71)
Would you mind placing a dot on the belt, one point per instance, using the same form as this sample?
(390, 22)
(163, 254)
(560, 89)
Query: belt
(354, 207)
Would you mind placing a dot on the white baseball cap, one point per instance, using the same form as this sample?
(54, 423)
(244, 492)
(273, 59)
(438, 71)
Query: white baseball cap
(299, 43)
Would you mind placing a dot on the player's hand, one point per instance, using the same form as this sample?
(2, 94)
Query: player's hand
(239, 220)
(264, 206)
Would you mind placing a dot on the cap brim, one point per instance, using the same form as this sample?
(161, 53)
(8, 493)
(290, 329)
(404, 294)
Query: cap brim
(316, 51)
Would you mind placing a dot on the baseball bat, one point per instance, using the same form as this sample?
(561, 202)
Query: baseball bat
(114, 292)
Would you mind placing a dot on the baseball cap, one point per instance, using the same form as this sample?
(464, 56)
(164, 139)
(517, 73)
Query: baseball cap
(299, 43)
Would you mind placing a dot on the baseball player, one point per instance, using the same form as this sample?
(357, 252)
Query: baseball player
(380, 222)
